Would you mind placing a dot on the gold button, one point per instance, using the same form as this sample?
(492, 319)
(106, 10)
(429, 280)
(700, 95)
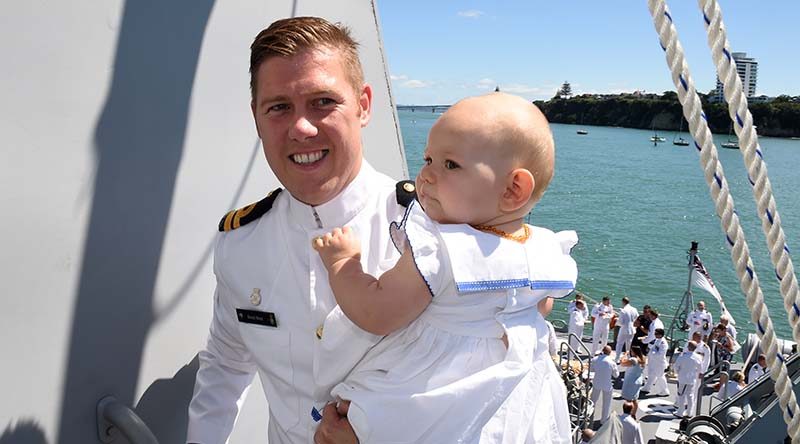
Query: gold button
(409, 187)
(319, 332)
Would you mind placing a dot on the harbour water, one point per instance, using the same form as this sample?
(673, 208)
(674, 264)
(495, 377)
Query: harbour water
(637, 208)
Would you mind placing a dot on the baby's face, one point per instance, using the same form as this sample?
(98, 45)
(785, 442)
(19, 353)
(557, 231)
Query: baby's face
(461, 181)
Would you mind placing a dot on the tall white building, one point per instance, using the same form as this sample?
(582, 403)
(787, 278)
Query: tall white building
(747, 68)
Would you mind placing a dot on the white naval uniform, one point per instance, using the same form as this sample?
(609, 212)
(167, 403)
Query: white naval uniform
(605, 369)
(448, 374)
(631, 431)
(576, 320)
(701, 321)
(656, 365)
(687, 366)
(651, 332)
(755, 372)
(572, 306)
(602, 318)
(269, 266)
(627, 315)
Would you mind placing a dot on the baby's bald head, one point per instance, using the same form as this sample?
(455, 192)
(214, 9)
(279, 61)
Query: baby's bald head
(511, 126)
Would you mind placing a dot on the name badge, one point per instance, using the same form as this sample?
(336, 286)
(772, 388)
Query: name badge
(257, 317)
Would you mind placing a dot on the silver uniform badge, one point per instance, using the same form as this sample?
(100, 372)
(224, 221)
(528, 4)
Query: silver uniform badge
(255, 296)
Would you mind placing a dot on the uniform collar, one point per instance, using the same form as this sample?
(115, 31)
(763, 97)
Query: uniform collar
(339, 210)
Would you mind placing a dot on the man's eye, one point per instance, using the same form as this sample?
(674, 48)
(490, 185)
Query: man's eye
(324, 101)
(277, 108)
(427, 160)
(450, 165)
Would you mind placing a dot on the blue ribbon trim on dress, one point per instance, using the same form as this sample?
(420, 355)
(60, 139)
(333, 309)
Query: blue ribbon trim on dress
(315, 414)
(468, 287)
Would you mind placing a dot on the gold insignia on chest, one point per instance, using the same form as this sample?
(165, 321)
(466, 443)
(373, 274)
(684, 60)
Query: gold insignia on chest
(255, 296)
(319, 332)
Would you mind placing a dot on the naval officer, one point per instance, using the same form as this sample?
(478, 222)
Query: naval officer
(309, 103)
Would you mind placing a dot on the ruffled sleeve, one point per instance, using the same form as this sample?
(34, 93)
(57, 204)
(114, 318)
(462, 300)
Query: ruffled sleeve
(418, 232)
(553, 270)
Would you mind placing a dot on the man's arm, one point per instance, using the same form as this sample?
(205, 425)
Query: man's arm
(379, 306)
(225, 373)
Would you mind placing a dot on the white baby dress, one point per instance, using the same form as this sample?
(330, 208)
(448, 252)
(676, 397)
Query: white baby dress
(448, 377)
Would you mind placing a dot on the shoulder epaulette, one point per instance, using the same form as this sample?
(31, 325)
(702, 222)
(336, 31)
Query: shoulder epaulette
(243, 216)
(406, 192)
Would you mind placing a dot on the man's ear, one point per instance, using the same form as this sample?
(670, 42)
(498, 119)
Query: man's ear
(365, 104)
(519, 188)
(255, 120)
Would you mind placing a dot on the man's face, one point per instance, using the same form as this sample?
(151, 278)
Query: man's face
(701, 306)
(309, 119)
(606, 302)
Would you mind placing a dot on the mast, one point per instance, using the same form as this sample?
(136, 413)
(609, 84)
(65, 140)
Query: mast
(685, 307)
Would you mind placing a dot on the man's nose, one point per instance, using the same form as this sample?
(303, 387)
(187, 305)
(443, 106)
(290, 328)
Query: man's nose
(302, 128)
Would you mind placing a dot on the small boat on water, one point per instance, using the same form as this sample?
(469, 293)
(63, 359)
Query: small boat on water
(678, 140)
(655, 138)
(732, 144)
(582, 132)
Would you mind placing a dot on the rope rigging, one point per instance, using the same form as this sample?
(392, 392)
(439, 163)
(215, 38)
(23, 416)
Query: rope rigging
(720, 194)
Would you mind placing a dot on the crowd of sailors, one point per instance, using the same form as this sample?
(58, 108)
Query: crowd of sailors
(640, 359)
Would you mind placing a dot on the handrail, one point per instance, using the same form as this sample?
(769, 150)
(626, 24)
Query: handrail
(113, 416)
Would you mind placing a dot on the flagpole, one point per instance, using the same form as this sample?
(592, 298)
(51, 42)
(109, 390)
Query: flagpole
(685, 307)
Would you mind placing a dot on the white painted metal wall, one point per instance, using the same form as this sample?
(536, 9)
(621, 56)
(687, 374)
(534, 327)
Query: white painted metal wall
(125, 134)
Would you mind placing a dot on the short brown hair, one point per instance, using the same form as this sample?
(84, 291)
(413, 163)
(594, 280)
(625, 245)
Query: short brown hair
(292, 36)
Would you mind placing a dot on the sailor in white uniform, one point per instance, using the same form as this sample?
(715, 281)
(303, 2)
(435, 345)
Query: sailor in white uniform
(627, 316)
(577, 318)
(272, 293)
(700, 320)
(605, 370)
(602, 313)
(656, 366)
(758, 369)
(687, 366)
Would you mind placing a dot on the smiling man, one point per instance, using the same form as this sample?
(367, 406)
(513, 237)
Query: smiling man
(309, 103)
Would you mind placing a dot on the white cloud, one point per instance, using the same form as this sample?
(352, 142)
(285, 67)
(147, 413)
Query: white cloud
(470, 13)
(398, 77)
(486, 84)
(517, 88)
(415, 84)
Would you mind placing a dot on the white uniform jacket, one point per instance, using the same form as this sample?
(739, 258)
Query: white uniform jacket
(272, 295)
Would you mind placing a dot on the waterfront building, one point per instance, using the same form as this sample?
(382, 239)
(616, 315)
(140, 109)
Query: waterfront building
(747, 68)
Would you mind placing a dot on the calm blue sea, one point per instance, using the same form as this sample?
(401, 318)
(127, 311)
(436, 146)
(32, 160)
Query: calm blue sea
(637, 208)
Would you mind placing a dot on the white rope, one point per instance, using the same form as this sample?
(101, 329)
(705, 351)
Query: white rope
(715, 178)
(753, 161)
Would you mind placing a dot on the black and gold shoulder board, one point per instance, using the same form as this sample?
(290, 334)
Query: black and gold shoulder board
(406, 192)
(244, 216)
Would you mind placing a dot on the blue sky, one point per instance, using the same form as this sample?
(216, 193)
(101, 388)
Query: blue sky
(442, 50)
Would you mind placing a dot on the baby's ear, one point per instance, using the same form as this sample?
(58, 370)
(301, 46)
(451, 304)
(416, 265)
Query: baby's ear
(519, 188)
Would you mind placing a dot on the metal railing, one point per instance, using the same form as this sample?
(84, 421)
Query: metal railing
(114, 417)
(577, 382)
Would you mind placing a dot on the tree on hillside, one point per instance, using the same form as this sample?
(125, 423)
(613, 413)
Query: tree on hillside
(565, 92)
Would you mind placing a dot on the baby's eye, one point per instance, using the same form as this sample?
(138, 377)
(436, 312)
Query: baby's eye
(427, 160)
(450, 165)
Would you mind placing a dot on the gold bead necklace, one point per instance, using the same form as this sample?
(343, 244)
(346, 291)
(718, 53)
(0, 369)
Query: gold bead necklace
(521, 238)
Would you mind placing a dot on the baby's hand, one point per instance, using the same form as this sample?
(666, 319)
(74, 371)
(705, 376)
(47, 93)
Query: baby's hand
(337, 245)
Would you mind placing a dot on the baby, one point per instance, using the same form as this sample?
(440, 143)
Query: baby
(466, 354)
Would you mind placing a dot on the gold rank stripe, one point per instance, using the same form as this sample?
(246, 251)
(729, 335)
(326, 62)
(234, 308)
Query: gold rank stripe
(239, 214)
(228, 220)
